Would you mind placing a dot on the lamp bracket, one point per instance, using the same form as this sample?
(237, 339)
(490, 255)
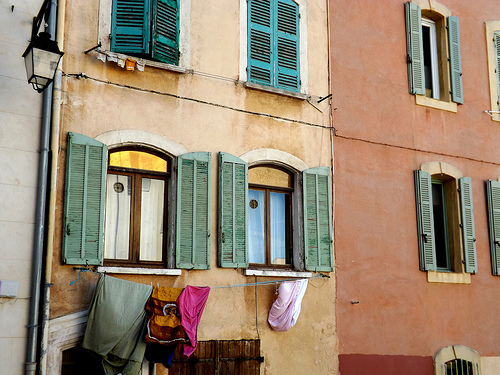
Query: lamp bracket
(44, 13)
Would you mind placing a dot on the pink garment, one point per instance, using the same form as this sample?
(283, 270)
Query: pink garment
(286, 308)
(191, 303)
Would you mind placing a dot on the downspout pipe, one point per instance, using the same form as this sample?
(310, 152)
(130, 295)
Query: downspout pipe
(41, 203)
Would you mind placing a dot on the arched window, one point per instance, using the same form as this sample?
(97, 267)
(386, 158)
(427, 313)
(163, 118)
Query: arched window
(136, 207)
(457, 360)
(270, 210)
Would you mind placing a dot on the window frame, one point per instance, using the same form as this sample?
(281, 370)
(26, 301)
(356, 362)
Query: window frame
(268, 189)
(456, 352)
(184, 45)
(433, 49)
(136, 211)
(303, 55)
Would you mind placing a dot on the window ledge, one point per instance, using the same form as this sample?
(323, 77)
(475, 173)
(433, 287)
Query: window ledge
(275, 273)
(435, 103)
(448, 277)
(274, 90)
(140, 271)
(111, 56)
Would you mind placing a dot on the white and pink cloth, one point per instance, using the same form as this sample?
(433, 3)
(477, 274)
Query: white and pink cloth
(286, 309)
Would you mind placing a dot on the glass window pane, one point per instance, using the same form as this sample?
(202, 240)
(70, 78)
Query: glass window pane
(137, 160)
(152, 203)
(256, 245)
(118, 198)
(269, 176)
(279, 228)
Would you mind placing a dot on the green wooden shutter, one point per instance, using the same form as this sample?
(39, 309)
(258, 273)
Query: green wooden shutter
(83, 226)
(318, 234)
(287, 45)
(130, 26)
(425, 221)
(414, 48)
(496, 37)
(493, 195)
(468, 232)
(193, 211)
(260, 42)
(233, 211)
(165, 38)
(455, 60)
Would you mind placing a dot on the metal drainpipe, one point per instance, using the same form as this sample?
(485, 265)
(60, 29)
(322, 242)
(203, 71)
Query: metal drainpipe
(36, 276)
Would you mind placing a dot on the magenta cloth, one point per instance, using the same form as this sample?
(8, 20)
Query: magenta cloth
(191, 303)
(286, 308)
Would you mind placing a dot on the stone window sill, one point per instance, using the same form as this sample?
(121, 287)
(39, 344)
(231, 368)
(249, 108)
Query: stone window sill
(434, 103)
(448, 277)
(274, 90)
(140, 271)
(277, 273)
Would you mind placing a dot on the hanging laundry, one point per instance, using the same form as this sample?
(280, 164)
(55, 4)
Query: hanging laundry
(286, 309)
(164, 324)
(116, 325)
(191, 303)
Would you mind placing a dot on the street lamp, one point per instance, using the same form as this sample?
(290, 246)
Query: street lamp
(42, 55)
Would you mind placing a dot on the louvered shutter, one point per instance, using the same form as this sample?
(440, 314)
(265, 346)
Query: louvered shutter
(496, 37)
(130, 26)
(233, 211)
(193, 211)
(455, 60)
(414, 48)
(425, 221)
(260, 42)
(165, 39)
(318, 234)
(493, 195)
(84, 200)
(287, 45)
(468, 231)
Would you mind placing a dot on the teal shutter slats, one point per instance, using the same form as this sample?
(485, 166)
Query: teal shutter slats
(193, 211)
(287, 46)
(496, 37)
(233, 211)
(455, 60)
(414, 48)
(83, 226)
(130, 26)
(425, 221)
(165, 37)
(260, 58)
(468, 231)
(493, 195)
(318, 234)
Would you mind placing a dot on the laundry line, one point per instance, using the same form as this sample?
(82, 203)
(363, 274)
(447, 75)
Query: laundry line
(271, 282)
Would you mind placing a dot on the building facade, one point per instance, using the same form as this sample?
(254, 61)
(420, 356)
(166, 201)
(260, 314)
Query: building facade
(195, 149)
(415, 98)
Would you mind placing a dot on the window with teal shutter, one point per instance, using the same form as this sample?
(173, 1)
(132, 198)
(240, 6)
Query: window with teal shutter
(273, 43)
(193, 211)
(455, 60)
(146, 28)
(415, 53)
(233, 211)
(468, 230)
(493, 196)
(84, 200)
(318, 234)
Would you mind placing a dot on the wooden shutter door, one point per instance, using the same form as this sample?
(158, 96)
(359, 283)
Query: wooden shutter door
(455, 60)
(193, 211)
(493, 195)
(425, 221)
(165, 40)
(260, 41)
(318, 235)
(496, 37)
(414, 48)
(83, 226)
(287, 45)
(468, 230)
(233, 211)
(130, 26)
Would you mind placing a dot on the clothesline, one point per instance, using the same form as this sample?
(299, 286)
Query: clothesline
(80, 269)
